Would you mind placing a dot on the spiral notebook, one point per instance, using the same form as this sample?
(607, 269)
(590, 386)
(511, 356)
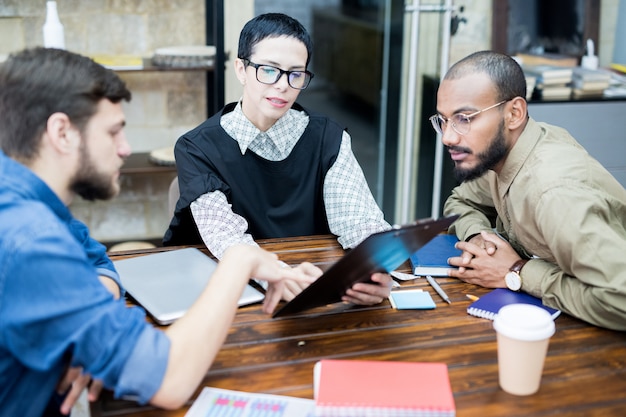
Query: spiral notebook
(350, 387)
(489, 304)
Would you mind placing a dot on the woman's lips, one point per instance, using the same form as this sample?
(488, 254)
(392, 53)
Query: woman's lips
(277, 102)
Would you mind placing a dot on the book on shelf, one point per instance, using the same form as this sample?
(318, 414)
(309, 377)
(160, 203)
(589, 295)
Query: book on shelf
(618, 78)
(551, 59)
(432, 258)
(589, 82)
(549, 75)
(579, 84)
(554, 92)
(579, 93)
(120, 62)
(617, 86)
(587, 74)
(489, 304)
(382, 388)
(614, 91)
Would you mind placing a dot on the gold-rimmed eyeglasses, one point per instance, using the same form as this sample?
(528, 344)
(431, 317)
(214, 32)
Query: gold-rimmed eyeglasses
(460, 122)
(268, 74)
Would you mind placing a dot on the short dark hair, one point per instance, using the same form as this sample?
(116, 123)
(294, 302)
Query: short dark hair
(505, 73)
(37, 82)
(272, 25)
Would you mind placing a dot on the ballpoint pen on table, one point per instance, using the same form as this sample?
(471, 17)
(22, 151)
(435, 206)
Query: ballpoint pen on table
(438, 289)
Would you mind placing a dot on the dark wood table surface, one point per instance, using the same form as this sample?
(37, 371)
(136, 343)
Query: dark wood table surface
(584, 372)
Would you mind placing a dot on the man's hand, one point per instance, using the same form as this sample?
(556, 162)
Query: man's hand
(485, 260)
(292, 288)
(76, 381)
(360, 293)
(368, 294)
(478, 240)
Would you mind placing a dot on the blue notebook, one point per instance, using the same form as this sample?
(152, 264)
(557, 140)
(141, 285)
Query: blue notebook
(432, 258)
(489, 304)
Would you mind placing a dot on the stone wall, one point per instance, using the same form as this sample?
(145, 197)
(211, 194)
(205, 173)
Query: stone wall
(164, 104)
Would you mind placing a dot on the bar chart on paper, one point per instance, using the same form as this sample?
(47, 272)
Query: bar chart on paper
(215, 402)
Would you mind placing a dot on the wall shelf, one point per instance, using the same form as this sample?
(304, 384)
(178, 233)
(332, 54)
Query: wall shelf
(139, 163)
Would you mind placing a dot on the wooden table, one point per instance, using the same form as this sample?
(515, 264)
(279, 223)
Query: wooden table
(584, 373)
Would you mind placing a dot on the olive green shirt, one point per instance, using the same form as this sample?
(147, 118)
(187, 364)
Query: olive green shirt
(557, 205)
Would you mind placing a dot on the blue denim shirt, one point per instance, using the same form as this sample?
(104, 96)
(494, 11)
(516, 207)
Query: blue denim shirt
(54, 311)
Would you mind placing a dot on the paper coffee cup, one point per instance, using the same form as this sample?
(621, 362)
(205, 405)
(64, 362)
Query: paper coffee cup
(523, 333)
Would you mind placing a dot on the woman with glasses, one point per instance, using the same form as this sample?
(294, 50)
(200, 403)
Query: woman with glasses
(264, 167)
(560, 216)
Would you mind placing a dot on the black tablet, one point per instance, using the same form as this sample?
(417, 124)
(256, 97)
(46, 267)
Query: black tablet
(380, 252)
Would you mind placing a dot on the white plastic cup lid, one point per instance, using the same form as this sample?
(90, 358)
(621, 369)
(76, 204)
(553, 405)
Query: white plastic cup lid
(524, 322)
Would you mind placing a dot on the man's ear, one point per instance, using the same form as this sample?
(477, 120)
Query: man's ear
(518, 112)
(61, 134)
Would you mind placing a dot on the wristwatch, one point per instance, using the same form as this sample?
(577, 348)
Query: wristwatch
(513, 279)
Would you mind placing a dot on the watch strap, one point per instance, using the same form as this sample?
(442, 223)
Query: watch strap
(517, 266)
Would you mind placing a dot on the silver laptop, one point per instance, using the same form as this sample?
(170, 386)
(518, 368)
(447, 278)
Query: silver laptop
(167, 283)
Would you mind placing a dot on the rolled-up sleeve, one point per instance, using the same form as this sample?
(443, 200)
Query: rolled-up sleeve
(72, 319)
(145, 368)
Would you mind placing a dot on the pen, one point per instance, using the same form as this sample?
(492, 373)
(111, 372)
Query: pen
(402, 276)
(437, 288)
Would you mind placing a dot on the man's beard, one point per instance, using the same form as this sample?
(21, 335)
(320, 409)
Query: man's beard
(89, 183)
(493, 154)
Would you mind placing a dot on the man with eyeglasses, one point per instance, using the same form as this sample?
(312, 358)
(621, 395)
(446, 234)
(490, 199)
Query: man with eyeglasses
(265, 167)
(559, 216)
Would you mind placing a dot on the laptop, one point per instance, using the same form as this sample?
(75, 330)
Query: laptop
(167, 283)
(380, 252)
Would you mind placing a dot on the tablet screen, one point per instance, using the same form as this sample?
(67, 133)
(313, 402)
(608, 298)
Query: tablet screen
(380, 252)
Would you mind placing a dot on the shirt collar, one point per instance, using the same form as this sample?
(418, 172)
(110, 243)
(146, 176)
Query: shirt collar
(518, 155)
(237, 125)
(22, 181)
(282, 133)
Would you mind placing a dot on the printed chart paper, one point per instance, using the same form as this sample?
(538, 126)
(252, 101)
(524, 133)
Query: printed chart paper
(216, 402)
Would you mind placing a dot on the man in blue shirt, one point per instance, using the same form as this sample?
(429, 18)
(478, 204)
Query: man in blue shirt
(62, 134)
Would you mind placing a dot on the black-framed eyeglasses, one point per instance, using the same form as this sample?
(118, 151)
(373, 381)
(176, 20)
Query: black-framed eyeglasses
(461, 123)
(268, 74)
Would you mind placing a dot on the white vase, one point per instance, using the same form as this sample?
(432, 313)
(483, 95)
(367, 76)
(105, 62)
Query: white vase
(53, 36)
